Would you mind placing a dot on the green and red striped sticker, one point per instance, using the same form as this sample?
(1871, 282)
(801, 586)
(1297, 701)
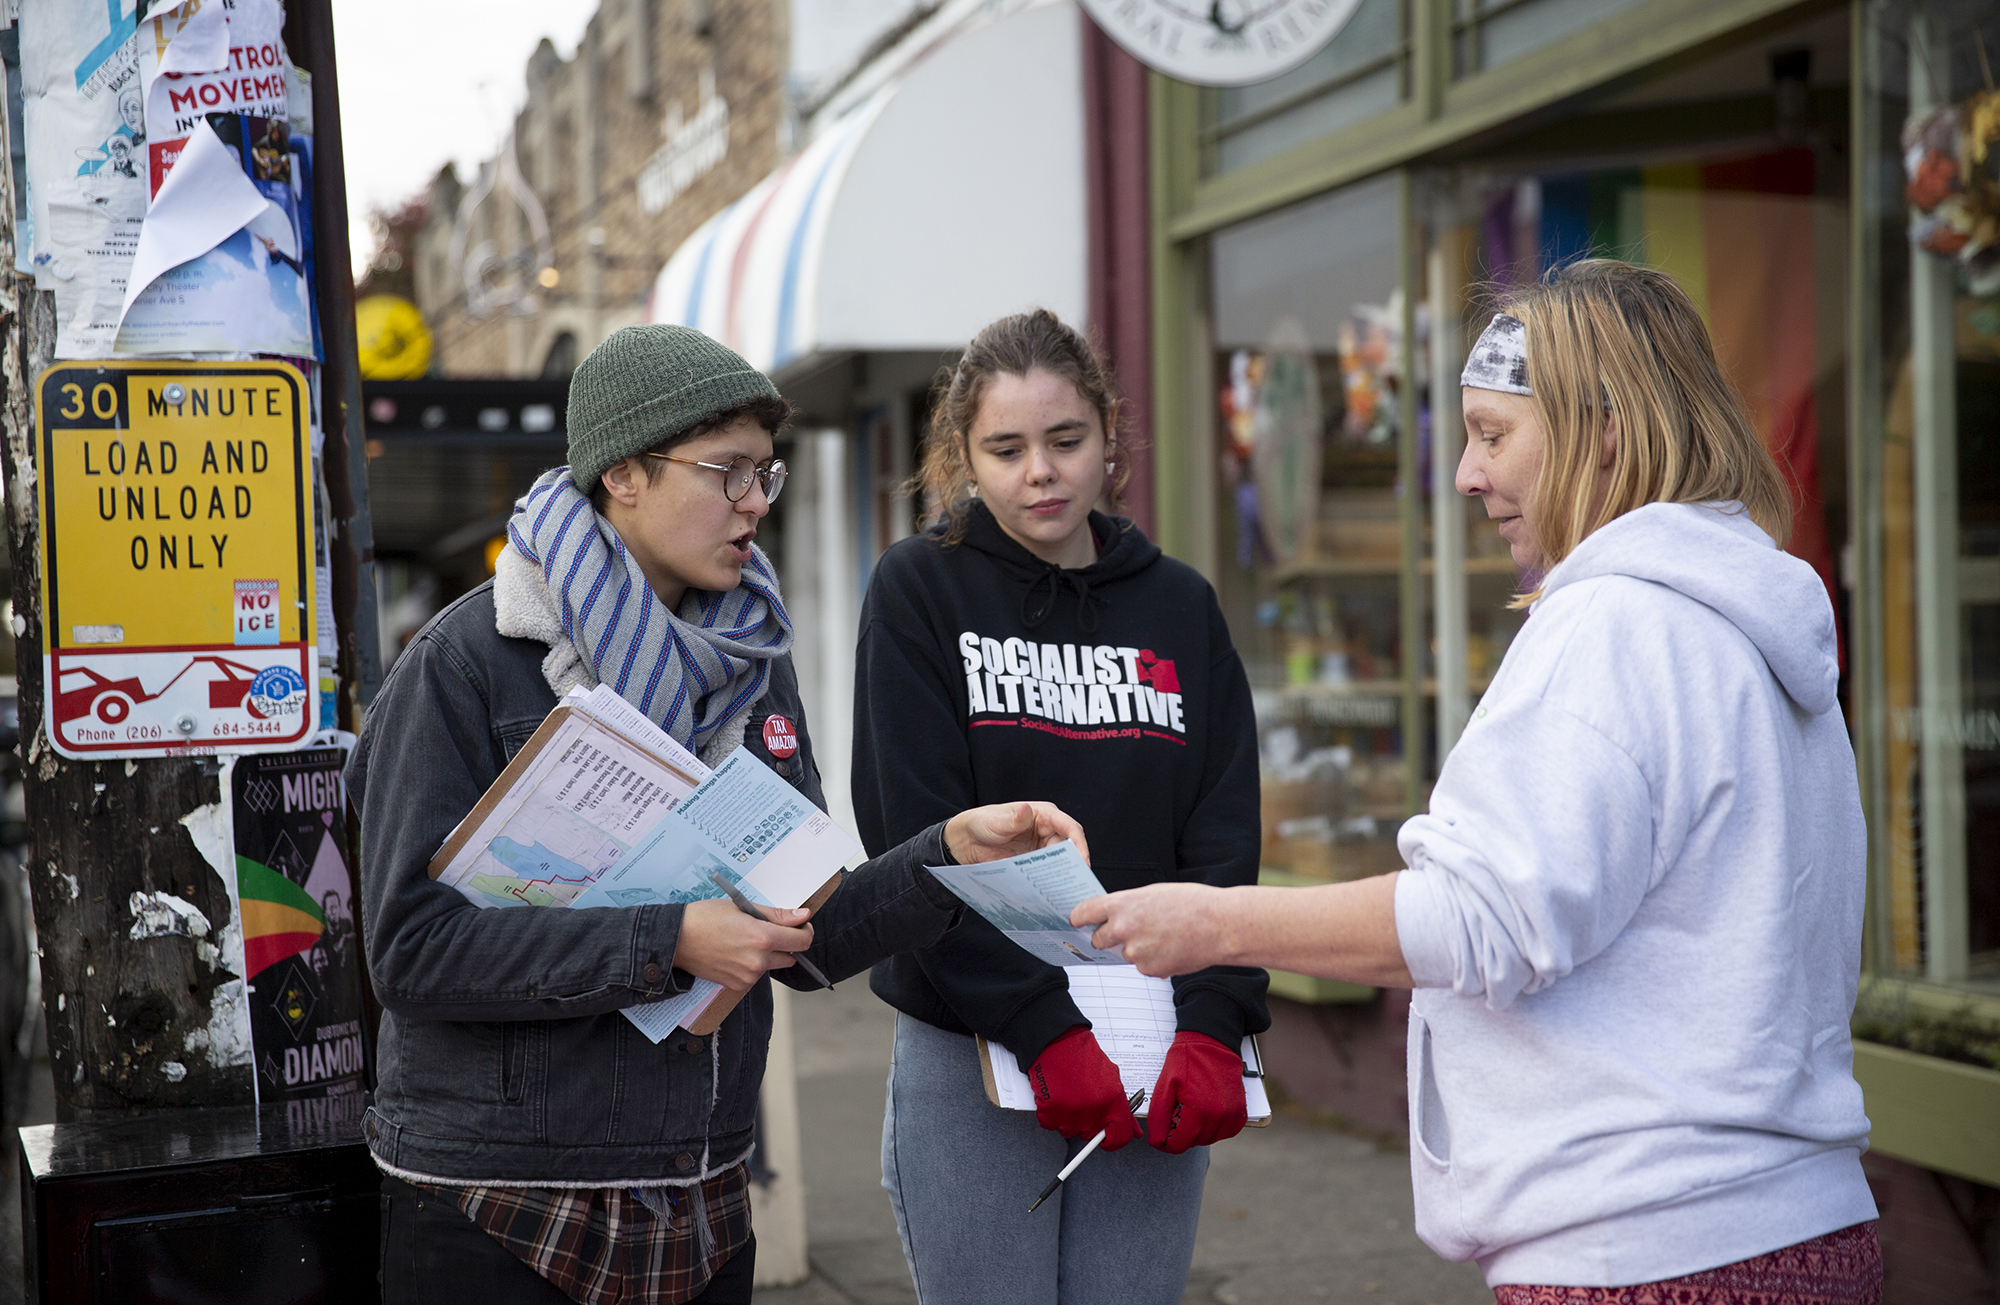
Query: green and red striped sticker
(280, 918)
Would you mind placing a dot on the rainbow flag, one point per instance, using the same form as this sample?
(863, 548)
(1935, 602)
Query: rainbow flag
(1746, 236)
(280, 918)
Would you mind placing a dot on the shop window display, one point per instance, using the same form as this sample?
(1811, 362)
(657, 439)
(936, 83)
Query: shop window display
(1756, 237)
(1307, 377)
(1752, 222)
(1323, 549)
(1930, 390)
(1867, 346)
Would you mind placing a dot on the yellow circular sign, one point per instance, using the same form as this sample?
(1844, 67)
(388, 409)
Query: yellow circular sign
(395, 344)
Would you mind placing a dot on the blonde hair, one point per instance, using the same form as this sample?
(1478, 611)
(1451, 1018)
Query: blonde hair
(1600, 331)
(1012, 346)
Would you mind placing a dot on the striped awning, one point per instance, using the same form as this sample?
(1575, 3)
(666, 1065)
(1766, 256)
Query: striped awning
(951, 196)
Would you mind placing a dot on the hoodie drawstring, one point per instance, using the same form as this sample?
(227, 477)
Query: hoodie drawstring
(1087, 603)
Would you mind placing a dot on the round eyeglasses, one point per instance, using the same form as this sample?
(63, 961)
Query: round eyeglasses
(739, 473)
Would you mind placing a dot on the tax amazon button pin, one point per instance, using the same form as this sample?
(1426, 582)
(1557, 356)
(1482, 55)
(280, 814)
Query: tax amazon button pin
(780, 738)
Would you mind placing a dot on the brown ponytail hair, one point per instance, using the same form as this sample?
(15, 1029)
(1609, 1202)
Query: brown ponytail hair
(1013, 346)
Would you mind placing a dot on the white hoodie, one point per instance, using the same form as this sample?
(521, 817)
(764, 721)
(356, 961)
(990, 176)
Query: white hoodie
(1633, 914)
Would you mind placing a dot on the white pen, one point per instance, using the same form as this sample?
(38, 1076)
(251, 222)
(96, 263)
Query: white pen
(1138, 1099)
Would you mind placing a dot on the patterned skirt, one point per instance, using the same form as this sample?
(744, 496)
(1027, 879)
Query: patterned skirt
(1841, 1268)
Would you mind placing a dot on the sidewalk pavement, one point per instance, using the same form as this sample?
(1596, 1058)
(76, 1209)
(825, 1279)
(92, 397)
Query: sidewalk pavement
(1296, 1212)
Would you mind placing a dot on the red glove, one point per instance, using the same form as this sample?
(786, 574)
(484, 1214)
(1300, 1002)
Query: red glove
(1199, 1098)
(1077, 1091)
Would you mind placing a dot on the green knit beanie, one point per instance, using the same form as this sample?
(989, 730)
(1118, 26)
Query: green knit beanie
(647, 384)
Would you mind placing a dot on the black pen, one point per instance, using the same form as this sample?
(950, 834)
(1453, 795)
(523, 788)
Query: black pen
(1138, 1099)
(749, 908)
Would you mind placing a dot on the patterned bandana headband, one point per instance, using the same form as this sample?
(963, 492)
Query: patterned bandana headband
(1499, 361)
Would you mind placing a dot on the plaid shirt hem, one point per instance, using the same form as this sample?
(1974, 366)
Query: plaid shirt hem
(602, 1245)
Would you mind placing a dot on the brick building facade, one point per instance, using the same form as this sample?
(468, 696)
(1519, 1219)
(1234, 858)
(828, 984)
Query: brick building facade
(668, 110)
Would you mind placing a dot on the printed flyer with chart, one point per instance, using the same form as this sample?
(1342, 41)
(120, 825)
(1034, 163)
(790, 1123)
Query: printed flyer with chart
(1029, 899)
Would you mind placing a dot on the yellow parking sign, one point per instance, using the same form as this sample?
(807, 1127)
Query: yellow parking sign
(178, 598)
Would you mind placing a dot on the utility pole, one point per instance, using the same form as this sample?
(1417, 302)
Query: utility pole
(144, 1008)
(128, 1019)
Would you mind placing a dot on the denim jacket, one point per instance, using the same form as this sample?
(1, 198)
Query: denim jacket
(502, 1056)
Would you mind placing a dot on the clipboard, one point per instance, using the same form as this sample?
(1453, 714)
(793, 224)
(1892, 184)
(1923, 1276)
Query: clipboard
(1251, 1052)
(1132, 1017)
(507, 785)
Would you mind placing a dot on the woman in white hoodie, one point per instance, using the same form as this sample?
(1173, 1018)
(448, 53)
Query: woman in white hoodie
(1633, 912)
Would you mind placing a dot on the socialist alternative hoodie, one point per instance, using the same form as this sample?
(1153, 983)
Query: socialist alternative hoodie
(985, 674)
(1633, 914)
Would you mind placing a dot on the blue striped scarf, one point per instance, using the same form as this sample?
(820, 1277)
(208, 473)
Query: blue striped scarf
(690, 673)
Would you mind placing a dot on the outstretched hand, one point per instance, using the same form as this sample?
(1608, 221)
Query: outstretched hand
(1010, 829)
(1337, 931)
(721, 943)
(1165, 929)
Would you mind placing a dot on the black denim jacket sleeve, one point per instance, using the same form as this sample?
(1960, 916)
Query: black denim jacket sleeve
(888, 905)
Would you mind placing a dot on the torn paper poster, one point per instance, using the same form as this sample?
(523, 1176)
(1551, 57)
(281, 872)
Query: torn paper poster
(226, 1040)
(221, 263)
(210, 201)
(198, 57)
(302, 190)
(301, 87)
(84, 124)
(155, 915)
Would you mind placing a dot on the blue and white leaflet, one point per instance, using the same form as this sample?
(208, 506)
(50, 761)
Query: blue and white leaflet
(1029, 899)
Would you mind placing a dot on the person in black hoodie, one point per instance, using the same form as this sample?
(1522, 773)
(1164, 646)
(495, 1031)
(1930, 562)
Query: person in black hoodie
(1029, 644)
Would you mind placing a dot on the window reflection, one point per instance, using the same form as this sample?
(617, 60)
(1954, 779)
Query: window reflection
(1756, 237)
(1308, 359)
(1489, 33)
(1361, 72)
(1931, 314)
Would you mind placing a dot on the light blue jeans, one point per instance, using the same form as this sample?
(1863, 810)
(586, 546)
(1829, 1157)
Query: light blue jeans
(961, 1173)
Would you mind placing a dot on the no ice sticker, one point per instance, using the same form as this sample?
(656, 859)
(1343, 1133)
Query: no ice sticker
(256, 612)
(177, 557)
(780, 739)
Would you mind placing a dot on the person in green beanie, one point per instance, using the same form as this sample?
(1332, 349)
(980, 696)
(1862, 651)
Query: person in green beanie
(535, 1147)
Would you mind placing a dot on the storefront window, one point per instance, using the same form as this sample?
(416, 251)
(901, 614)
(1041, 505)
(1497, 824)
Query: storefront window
(1360, 73)
(1488, 33)
(1930, 439)
(1371, 620)
(1754, 227)
(1307, 375)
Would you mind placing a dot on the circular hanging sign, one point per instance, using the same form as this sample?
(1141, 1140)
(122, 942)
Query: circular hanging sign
(395, 345)
(1222, 42)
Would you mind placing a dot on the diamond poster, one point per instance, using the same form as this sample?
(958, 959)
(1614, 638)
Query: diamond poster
(302, 958)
